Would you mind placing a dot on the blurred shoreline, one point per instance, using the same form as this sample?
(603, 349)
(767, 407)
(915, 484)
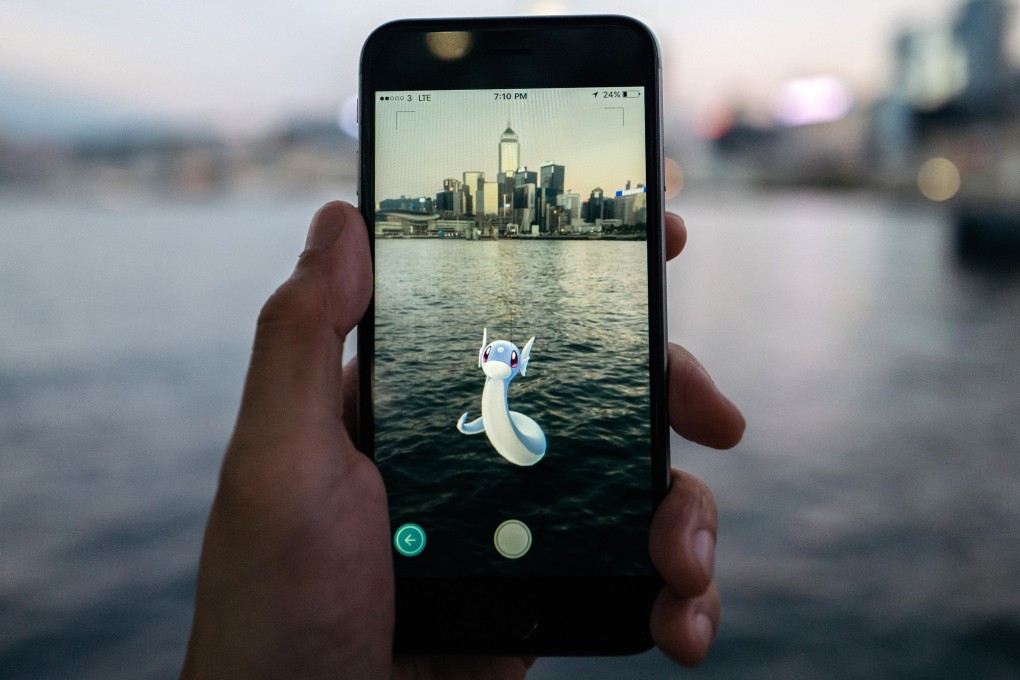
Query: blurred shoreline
(122, 169)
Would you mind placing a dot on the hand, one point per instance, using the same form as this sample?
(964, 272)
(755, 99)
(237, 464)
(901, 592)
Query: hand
(296, 578)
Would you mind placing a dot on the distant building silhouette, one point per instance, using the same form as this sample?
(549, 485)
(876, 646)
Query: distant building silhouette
(509, 161)
(980, 28)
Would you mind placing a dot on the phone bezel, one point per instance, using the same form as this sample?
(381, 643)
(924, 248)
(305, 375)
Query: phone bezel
(542, 615)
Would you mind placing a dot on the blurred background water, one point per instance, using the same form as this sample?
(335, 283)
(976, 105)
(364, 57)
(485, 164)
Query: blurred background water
(849, 176)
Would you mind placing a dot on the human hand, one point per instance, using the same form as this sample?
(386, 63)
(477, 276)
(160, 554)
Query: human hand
(296, 578)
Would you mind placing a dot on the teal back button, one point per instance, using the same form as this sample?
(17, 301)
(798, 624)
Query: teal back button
(409, 540)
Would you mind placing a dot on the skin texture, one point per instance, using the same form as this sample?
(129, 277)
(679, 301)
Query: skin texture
(296, 579)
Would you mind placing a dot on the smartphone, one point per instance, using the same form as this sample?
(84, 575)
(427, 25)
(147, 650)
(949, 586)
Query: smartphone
(512, 364)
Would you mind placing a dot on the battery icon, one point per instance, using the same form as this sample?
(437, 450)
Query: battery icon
(633, 94)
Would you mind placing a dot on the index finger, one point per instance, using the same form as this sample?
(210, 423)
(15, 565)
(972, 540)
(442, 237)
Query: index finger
(676, 235)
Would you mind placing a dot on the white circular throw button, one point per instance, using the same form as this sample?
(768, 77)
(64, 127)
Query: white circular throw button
(512, 539)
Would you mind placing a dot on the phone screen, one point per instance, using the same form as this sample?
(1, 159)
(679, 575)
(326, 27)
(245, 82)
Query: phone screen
(511, 380)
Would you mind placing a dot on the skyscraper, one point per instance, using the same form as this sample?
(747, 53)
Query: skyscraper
(524, 192)
(488, 198)
(981, 29)
(550, 186)
(524, 176)
(571, 203)
(509, 161)
(509, 151)
(594, 210)
(472, 188)
(552, 176)
(452, 199)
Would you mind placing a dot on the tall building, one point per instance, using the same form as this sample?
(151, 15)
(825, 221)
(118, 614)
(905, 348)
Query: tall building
(452, 198)
(524, 207)
(488, 199)
(550, 186)
(964, 62)
(571, 203)
(524, 176)
(981, 29)
(551, 176)
(557, 220)
(595, 208)
(525, 193)
(509, 161)
(473, 181)
(509, 151)
(630, 206)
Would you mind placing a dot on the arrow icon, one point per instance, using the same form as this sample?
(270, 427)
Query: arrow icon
(409, 540)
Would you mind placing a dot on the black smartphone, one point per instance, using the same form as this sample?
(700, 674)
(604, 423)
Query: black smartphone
(513, 362)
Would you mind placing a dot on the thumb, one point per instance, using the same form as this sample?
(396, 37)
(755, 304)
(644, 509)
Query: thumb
(333, 275)
(294, 385)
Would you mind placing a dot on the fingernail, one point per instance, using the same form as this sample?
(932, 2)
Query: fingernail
(326, 227)
(704, 550)
(702, 628)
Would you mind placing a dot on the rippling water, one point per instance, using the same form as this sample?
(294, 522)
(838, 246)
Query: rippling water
(868, 522)
(585, 302)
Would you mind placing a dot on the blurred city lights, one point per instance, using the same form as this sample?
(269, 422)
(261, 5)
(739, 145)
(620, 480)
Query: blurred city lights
(674, 178)
(818, 99)
(938, 179)
(934, 66)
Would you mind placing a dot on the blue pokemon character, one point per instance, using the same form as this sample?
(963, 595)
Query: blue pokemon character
(514, 435)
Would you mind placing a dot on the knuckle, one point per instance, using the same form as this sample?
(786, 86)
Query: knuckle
(695, 493)
(295, 303)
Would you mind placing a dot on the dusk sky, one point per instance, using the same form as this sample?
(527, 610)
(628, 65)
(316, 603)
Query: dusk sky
(246, 66)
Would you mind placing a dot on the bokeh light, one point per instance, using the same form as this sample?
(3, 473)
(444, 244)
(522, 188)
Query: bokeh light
(818, 99)
(674, 178)
(938, 179)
